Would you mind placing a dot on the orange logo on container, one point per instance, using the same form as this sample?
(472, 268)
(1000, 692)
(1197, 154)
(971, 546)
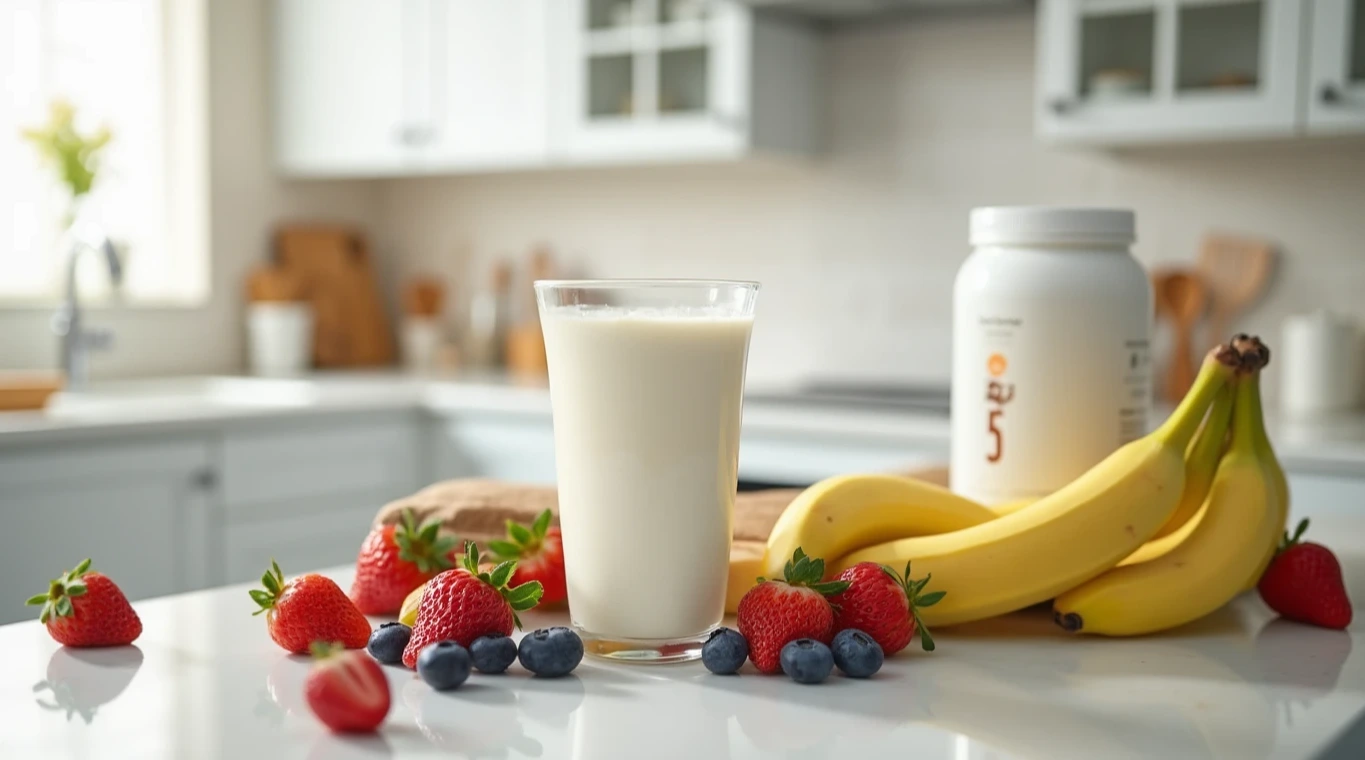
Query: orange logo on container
(996, 365)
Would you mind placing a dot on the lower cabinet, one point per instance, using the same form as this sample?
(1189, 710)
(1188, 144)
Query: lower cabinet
(140, 509)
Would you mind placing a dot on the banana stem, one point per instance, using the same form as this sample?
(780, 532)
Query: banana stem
(1217, 369)
(1244, 414)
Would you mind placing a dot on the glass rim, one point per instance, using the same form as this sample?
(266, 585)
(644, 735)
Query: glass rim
(645, 284)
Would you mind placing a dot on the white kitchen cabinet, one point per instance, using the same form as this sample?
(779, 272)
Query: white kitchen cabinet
(348, 87)
(1336, 80)
(679, 80)
(490, 85)
(305, 491)
(140, 509)
(1135, 71)
(518, 447)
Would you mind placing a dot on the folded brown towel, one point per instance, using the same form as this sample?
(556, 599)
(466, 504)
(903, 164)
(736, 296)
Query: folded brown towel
(477, 509)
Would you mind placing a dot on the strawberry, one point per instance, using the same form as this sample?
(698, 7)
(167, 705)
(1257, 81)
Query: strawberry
(885, 605)
(468, 602)
(308, 608)
(395, 559)
(348, 691)
(776, 612)
(539, 551)
(1304, 583)
(86, 609)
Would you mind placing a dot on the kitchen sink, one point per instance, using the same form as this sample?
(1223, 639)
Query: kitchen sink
(179, 396)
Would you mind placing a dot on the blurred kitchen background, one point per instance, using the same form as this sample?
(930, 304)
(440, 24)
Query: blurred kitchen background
(367, 187)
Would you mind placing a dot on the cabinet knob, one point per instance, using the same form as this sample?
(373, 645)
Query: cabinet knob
(1330, 94)
(205, 479)
(1061, 106)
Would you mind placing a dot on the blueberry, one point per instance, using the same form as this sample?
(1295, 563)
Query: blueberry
(443, 665)
(492, 654)
(856, 653)
(551, 652)
(807, 661)
(725, 652)
(388, 641)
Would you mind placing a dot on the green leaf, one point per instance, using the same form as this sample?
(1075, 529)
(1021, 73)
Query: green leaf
(930, 599)
(46, 614)
(271, 585)
(519, 533)
(262, 598)
(85, 565)
(926, 641)
(525, 596)
(503, 573)
(831, 588)
(486, 578)
(76, 589)
(918, 586)
(279, 574)
(64, 607)
(504, 549)
(892, 573)
(429, 532)
(541, 525)
(471, 557)
(36, 599)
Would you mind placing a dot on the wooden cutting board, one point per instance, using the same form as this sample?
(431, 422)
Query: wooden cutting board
(333, 267)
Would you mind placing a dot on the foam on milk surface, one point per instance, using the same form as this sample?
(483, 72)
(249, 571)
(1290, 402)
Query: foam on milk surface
(647, 405)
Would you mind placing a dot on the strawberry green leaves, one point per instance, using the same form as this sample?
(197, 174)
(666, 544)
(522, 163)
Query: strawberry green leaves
(57, 601)
(801, 570)
(273, 580)
(519, 598)
(522, 541)
(914, 594)
(423, 545)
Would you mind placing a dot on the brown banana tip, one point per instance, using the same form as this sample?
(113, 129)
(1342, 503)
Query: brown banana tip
(1227, 356)
(1255, 354)
(1069, 621)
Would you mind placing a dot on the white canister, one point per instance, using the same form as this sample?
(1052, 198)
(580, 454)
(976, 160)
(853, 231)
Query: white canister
(1321, 364)
(280, 335)
(1051, 372)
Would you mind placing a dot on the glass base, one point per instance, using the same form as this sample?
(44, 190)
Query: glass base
(644, 651)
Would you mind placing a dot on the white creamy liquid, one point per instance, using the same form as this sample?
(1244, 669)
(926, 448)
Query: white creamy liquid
(646, 417)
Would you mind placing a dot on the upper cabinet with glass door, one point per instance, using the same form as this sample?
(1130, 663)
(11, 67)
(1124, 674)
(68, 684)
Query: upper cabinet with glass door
(1336, 82)
(679, 80)
(1131, 71)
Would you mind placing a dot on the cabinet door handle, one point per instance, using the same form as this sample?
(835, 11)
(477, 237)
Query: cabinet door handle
(205, 479)
(1061, 106)
(1330, 94)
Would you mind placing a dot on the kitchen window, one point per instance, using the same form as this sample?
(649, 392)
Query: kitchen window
(138, 68)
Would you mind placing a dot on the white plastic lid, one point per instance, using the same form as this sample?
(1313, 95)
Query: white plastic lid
(1045, 225)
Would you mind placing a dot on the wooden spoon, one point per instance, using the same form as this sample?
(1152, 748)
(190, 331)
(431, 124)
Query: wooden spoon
(1182, 298)
(1236, 271)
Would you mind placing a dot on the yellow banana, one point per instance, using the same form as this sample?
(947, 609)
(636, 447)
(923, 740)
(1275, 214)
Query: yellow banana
(1201, 461)
(1279, 485)
(408, 614)
(1010, 507)
(746, 564)
(1068, 537)
(845, 513)
(1205, 571)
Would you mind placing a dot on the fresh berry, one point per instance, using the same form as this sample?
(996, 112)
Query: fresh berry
(309, 608)
(347, 690)
(1304, 583)
(467, 602)
(725, 652)
(86, 609)
(395, 559)
(885, 605)
(493, 654)
(443, 665)
(551, 652)
(777, 612)
(856, 654)
(539, 552)
(807, 661)
(388, 641)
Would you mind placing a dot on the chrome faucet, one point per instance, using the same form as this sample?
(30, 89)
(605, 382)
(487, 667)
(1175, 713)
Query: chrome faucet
(77, 340)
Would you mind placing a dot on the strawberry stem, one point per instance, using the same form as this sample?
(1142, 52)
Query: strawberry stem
(916, 598)
(57, 601)
(522, 541)
(423, 545)
(519, 598)
(802, 570)
(273, 580)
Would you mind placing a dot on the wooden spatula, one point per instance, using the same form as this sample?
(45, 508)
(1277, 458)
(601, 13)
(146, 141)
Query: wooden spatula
(1236, 271)
(1181, 298)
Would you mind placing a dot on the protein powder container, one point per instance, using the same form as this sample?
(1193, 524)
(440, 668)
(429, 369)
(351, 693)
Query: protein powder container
(1051, 322)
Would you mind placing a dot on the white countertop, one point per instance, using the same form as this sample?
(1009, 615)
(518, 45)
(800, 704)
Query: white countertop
(205, 681)
(1333, 445)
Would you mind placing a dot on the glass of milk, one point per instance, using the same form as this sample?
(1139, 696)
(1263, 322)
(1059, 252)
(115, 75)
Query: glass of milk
(647, 385)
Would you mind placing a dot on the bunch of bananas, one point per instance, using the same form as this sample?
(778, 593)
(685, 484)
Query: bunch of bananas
(1164, 531)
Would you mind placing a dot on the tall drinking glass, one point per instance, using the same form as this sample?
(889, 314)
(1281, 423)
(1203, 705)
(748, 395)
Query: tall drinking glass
(647, 385)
